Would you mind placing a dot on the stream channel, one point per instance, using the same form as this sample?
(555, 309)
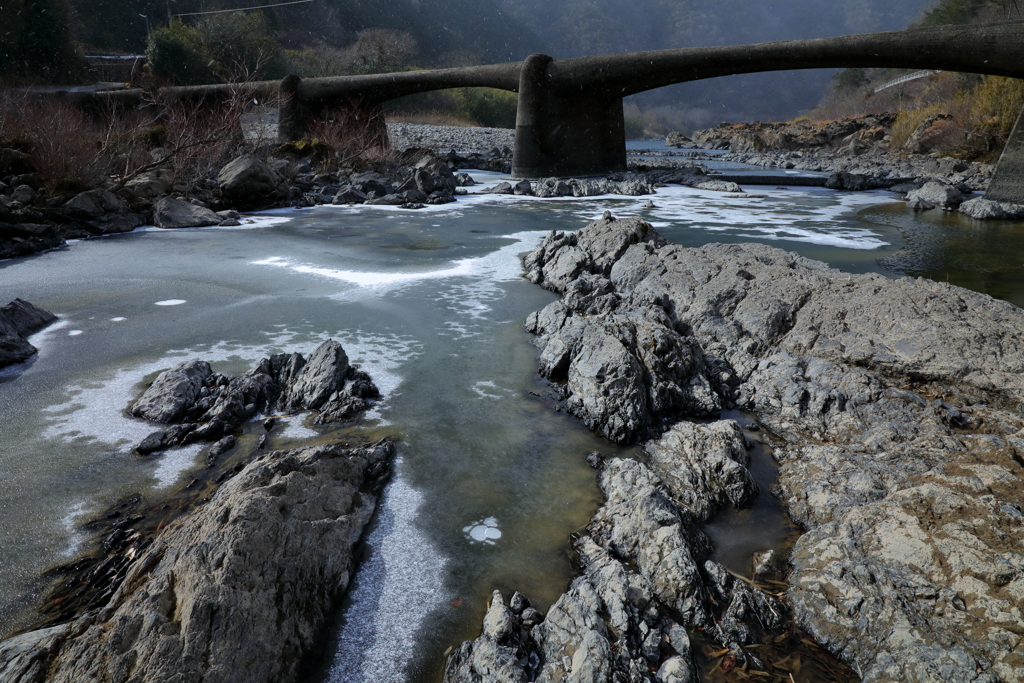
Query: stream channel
(490, 480)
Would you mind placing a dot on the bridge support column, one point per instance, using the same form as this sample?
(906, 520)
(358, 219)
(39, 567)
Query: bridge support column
(359, 124)
(1008, 180)
(562, 133)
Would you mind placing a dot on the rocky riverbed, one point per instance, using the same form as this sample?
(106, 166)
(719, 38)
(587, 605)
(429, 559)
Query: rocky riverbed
(206, 584)
(895, 410)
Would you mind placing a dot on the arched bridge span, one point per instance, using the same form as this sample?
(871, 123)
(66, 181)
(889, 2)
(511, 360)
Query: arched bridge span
(570, 122)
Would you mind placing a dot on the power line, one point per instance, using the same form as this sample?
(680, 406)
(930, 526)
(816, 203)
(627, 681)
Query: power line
(243, 9)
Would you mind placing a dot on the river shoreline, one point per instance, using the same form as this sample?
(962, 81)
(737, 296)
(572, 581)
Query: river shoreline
(298, 175)
(896, 405)
(589, 294)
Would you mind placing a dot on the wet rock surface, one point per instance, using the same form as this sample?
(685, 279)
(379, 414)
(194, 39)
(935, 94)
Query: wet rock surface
(897, 409)
(202, 405)
(220, 594)
(644, 582)
(18, 320)
(177, 213)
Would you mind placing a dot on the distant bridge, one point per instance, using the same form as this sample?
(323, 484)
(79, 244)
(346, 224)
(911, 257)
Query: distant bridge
(569, 120)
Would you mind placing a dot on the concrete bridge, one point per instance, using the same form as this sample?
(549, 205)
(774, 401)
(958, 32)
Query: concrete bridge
(569, 120)
(570, 123)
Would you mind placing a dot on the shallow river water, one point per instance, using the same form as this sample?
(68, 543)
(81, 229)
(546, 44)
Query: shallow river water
(490, 481)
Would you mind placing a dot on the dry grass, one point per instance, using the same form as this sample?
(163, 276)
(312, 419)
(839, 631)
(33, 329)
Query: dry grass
(982, 110)
(910, 120)
(433, 118)
(187, 140)
(352, 136)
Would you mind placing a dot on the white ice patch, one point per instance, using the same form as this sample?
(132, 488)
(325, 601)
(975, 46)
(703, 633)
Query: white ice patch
(247, 222)
(70, 522)
(173, 463)
(170, 302)
(74, 333)
(485, 531)
(501, 264)
(295, 429)
(118, 319)
(393, 592)
(481, 389)
(783, 214)
(94, 411)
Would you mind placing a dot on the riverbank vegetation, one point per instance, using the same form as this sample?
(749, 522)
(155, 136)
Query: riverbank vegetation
(967, 116)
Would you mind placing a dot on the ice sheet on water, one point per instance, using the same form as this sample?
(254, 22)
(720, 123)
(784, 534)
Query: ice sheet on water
(94, 410)
(395, 589)
(485, 531)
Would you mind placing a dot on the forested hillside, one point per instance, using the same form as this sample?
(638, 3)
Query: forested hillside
(579, 27)
(962, 115)
(443, 29)
(334, 37)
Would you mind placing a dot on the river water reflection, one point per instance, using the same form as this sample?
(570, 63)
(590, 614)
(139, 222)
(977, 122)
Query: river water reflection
(491, 480)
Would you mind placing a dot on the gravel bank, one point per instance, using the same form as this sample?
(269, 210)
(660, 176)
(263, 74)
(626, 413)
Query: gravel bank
(445, 138)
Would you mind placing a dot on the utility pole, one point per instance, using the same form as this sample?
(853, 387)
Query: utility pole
(168, 13)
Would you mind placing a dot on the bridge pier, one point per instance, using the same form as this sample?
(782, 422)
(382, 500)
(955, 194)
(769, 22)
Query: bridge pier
(360, 120)
(1008, 179)
(561, 133)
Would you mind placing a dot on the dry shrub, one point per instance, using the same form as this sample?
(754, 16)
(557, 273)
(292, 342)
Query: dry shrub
(908, 121)
(434, 118)
(989, 112)
(353, 135)
(66, 145)
(185, 139)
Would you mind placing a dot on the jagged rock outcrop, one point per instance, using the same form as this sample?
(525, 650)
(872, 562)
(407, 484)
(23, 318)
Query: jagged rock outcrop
(859, 133)
(18, 320)
(621, 375)
(899, 405)
(645, 580)
(237, 591)
(206, 406)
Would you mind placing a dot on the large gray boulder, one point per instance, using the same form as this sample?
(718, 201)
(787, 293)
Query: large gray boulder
(149, 185)
(937, 194)
(320, 378)
(983, 209)
(248, 178)
(236, 592)
(170, 212)
(898, 403)
(719, 186)
(102, 211)
(173, 392)
(18, 320)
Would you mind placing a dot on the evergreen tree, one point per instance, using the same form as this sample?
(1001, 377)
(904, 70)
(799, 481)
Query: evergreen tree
(36, 45)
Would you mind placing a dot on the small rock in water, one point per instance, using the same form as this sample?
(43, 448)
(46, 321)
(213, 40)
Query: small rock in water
(220, 448)
(768, 566)
(269, 423)
(152, 443)
(261, 444)
(595, 460)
